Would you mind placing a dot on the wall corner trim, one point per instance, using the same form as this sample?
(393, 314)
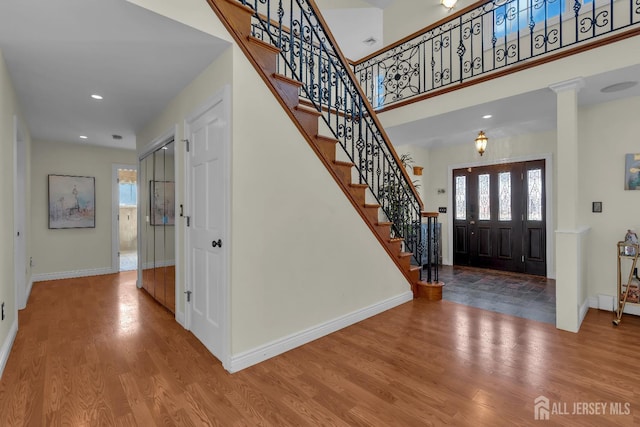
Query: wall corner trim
(5, 350)
(260, 354)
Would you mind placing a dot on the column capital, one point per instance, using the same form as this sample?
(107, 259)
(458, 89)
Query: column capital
(573, 84)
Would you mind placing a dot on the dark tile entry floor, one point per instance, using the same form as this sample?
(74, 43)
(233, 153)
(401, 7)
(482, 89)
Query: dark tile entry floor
(521, 295)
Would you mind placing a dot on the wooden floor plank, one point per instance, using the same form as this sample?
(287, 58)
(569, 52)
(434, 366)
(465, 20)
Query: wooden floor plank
(98, 351)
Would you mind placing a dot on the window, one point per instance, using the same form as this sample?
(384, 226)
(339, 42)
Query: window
(461, 197)
(534, 195)
(504, 191)
(128, 194)
(484, 199)
(518, 15)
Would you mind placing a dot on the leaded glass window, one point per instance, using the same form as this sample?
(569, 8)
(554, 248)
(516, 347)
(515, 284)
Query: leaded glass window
(484, 200)
(504, 190)
(534, 195)
(461, 197)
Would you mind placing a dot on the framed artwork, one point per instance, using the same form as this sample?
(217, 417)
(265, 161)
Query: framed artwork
(72, 201)
(632, 172)
(162, 202)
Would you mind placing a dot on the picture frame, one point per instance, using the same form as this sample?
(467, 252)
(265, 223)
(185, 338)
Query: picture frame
(71, 201)
(632, 172)
(162, 202)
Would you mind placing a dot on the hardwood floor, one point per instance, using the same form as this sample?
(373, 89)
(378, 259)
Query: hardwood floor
(97, 351)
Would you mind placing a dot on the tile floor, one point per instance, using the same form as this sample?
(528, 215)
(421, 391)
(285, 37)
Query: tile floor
(521, 295)
(128, 261)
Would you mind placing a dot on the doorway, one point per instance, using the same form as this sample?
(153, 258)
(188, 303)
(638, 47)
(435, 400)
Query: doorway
(499, 218)
(125, 217)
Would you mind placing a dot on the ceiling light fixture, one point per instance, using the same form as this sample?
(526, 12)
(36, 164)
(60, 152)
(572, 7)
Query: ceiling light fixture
(83, 136)
(481, 142)
(448, 4)
(487, 116)
(97, 97)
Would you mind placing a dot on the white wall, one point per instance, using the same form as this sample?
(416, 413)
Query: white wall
(71, 252)
(606, 133)
(8, 109)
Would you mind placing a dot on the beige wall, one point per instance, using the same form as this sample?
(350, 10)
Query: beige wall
(8, 109)
(301, 254)
(606, 133)
(60, 252)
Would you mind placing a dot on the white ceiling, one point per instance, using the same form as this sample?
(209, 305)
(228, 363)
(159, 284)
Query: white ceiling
(60, 52)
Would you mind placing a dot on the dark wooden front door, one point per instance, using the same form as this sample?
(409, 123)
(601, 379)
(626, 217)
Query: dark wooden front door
(499, 217)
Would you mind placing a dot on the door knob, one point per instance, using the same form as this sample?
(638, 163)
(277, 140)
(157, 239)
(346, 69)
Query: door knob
(217, 244)
(472, 222)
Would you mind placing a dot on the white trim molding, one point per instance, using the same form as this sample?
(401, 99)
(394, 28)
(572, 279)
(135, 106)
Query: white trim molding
(72, 274)
(260, 354)
(584, 308)
(5, 350)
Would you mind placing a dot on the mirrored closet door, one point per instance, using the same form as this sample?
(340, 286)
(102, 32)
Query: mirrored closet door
(157, 228)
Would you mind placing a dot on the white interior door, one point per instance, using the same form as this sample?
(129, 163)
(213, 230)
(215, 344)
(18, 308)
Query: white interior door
(20, 246)
(206, 242)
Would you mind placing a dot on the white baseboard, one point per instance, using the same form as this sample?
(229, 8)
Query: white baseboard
(72, 274)
(5, 350)
(260, 354)
(180, 319)
(583, 311)
(28, 292)
(593, 302)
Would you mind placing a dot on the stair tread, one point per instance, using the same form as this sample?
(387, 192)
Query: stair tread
(308, 110)
(415, 267)
(384, 224)
(371, 205)
(359, 185)
(286, 79)
(341, 163)
(327, 138)
(396, 239)
(264, 44)
(405, 254)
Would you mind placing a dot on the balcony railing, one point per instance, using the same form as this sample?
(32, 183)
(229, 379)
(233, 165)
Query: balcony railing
(485, 39)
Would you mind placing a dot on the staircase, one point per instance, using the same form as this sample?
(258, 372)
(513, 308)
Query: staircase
(289, 45)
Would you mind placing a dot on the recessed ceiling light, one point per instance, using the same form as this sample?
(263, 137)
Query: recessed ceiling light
(487, 116)
(96, 96)
(83, 136)
(618, 87)
(165, 148)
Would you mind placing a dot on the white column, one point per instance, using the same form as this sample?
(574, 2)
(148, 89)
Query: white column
(569, 236)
